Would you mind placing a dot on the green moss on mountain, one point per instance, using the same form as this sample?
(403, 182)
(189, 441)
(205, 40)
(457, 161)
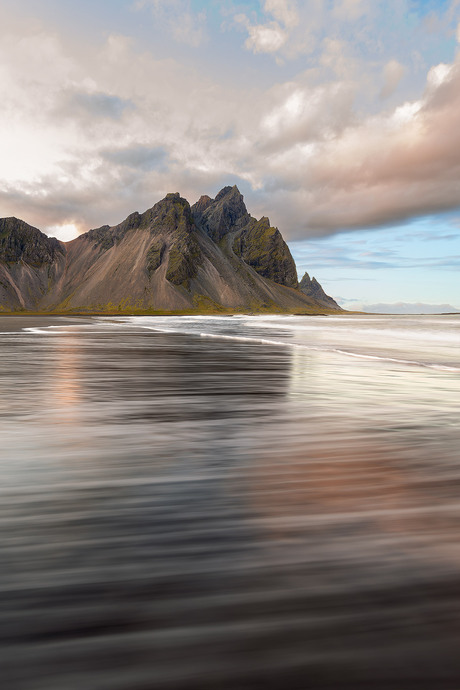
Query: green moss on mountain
(171, 213)
(262, 247)
(172, 219)
(185, 258)
(155, 256)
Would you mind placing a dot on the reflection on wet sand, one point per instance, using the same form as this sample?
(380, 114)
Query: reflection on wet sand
(64, 385)
(192, 514)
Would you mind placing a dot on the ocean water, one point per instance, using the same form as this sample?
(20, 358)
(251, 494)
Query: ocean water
(216, 503)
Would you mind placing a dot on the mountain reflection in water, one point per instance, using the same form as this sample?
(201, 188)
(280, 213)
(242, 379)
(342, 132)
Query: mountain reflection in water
(185, 509)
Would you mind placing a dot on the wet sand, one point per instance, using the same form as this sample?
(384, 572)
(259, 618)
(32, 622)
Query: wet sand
(15, 322)
(184, 511)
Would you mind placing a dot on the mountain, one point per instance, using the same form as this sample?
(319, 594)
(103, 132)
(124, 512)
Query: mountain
(313, 289)
(208, 257)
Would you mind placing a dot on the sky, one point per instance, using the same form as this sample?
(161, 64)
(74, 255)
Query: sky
(338, 119)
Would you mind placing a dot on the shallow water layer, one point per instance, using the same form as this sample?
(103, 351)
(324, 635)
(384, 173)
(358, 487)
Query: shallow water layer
(230, 502)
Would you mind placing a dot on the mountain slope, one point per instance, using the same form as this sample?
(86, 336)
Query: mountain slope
(172, 257)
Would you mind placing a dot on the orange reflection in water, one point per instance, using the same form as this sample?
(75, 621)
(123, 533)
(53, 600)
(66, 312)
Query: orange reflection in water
(65, 386)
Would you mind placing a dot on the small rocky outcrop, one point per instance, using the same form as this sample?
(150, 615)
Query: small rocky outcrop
(312, 288)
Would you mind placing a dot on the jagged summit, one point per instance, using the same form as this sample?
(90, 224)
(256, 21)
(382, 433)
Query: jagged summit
(173, 211)
(201, 205)
(221, 215)
(211, 256)
(226, 220)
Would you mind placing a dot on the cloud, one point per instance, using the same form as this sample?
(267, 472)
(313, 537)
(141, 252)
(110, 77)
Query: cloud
(271, 36)
(310, 143)
(266, 38)
(94, 105)
(185, 25)
(371, 170)
(392, 75)
(350, 10)
(137, 156)
(284, 11)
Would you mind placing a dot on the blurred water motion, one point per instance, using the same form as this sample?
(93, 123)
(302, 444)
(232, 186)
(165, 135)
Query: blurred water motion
(230, 503)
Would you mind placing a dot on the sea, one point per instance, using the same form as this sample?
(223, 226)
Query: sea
(230, 502)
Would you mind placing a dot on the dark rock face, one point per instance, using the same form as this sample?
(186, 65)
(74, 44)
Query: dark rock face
(173, 216)
(155, 256)
(312, 288)
(171, 213)
(21, 242)
(184, 259)
(262, 247)
(101, 237)
(223, 215)
(200, 206)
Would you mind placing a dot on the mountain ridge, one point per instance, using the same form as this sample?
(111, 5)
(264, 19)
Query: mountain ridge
(212, 256)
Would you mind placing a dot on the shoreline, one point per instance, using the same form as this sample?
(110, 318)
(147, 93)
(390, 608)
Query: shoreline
(185, 312)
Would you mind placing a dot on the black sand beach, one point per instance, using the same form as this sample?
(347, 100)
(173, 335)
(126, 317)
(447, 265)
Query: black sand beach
(229, 503)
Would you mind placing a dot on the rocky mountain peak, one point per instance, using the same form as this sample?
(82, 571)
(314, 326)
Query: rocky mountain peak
(305, 282)
(233, 201)
(172, 212)
(224, 214)
(200, 206)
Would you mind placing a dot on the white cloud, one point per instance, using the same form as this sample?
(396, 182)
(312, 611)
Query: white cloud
(65, 232)
(266, 38)
(438, 74)
(284, 11)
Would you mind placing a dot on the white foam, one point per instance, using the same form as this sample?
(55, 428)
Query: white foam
(151, 324)
(348, 353)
